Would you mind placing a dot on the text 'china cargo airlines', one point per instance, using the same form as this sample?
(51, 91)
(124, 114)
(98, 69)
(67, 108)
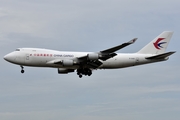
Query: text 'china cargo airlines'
(84, 62)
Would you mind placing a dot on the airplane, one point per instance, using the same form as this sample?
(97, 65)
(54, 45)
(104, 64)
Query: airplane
(84, 62)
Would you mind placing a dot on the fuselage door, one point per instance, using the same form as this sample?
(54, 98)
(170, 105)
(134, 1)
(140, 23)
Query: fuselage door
(27, 58)
(137, 60)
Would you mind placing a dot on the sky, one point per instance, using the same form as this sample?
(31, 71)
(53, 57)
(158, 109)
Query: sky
(144, 92)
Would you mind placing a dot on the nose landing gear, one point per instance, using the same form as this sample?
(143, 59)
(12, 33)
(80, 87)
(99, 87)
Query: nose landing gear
(22, 71)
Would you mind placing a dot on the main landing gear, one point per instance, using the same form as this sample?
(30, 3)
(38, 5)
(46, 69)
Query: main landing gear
(22, 69)
(84, 71)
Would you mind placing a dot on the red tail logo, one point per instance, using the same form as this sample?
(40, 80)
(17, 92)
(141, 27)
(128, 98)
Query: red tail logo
(158, 44)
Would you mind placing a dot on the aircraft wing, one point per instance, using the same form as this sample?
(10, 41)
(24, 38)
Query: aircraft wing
(83, 61)
(93, 59)
(116, 48)
(109, 53)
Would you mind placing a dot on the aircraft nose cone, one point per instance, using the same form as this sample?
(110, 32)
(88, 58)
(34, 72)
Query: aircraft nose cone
(9, 57)
(6, 57)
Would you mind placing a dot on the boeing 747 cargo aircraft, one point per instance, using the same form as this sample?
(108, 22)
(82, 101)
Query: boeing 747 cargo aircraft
(84, 62)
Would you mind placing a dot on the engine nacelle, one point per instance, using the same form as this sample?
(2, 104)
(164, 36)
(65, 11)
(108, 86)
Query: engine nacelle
(67, 62)
(64, 70)
(93, 56)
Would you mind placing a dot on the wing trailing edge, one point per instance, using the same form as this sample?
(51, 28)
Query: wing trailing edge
(109, 53)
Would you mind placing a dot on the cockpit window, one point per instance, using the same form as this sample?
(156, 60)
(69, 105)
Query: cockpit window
(17, 49)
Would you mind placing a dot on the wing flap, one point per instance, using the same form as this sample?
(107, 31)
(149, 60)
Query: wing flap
(105, 56)
(94, 64)
(56, 61)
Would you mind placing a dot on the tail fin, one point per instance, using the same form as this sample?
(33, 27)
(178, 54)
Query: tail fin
(157, 45)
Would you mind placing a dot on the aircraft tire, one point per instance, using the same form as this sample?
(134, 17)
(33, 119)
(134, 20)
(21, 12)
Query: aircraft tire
(22, 71)
(80, 76)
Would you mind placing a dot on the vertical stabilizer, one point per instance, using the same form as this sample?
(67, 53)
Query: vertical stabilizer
(157, 45)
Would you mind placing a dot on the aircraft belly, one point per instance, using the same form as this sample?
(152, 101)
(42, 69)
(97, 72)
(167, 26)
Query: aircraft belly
(124, 61)
(117, 63)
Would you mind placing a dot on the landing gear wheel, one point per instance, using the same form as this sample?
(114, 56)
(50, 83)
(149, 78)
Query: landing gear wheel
(84, 71)
(89, 74)
(80, 76)
(22, 71)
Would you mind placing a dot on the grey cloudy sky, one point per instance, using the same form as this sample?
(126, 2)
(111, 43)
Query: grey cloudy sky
(143, 92)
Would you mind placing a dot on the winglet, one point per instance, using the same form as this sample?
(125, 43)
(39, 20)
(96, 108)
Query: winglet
(133, 41)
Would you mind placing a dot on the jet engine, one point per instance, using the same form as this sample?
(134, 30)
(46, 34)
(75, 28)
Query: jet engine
(64, 70)
(67, 62)
(93, 56)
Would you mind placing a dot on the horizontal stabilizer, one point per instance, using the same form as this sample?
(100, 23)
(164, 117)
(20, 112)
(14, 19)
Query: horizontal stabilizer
(161, 56)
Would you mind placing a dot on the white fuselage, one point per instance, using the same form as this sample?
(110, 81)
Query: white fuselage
(85, 62)
(36, 57)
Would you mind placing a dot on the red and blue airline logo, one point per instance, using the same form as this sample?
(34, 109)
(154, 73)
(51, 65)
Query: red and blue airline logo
(158, 43)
